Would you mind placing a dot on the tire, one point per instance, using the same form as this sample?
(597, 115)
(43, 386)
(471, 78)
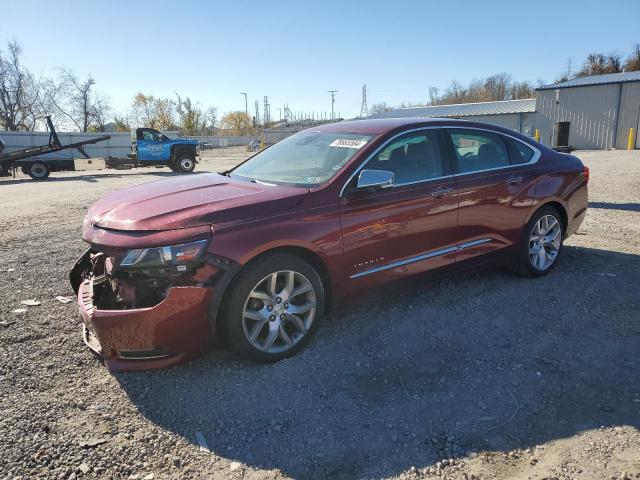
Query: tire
(533, 264)
(272, 317)
(39, 170)
(184, 164)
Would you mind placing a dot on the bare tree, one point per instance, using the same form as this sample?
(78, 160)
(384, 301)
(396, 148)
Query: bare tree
(100, 112)
(21, 102)
(632, 64)
(380, 107)
(614, 63)
(75, 101)
(211, 117)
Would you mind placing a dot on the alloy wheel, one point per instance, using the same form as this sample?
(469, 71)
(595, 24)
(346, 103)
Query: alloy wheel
(544, 242)
(279, 311)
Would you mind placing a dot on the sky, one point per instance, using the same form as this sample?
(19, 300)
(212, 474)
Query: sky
(295, 51)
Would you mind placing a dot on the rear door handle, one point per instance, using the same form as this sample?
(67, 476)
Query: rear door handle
(441, 192)
(515, 180)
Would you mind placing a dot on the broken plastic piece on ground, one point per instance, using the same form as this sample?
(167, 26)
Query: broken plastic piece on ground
(19, 310)
(62, 299)
(30, 303)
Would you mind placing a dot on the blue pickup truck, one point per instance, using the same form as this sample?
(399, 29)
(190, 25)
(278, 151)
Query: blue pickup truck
(149, 147)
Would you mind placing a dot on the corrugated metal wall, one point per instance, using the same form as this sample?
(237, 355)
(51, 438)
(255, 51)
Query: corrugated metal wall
(507, 120)
(591, 111)
(629, 114)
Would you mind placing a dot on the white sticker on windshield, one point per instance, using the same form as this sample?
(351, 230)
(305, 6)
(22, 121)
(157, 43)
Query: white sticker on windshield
(348, 143)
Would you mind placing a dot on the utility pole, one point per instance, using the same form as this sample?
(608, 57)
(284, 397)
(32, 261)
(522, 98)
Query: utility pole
(333, 102)
(433, 95)
(364, 110)
(257, 113)
(246, 105)
(265, 110)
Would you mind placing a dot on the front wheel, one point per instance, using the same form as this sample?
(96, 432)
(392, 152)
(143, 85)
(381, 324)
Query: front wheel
(542, 243)
(39, 170)
(184, 164)
(274, 308)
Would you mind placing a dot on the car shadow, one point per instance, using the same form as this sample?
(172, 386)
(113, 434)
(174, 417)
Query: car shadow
(630, 207)
(478, 361)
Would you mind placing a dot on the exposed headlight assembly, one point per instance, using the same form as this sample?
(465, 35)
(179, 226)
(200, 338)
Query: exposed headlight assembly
(178, 256)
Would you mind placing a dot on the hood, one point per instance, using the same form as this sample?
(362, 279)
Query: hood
(189, 201)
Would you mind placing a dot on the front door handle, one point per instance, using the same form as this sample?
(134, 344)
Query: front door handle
(441, 192)
(515, 180)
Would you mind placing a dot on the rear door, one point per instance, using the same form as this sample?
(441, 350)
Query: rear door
(406, 228)
(495, 177)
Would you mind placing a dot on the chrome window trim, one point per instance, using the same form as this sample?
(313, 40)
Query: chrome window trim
(534, 159)
(536, 156)
(377, 150)
(418, 258)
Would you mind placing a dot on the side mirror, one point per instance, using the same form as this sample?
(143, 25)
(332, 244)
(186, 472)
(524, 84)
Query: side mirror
(375, 178)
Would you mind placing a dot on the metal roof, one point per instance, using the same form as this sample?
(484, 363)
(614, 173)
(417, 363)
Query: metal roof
(604, 79)
(527, 105)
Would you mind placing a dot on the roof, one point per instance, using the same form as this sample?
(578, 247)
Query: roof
(377, 126)
(527, 105)
(605, 79)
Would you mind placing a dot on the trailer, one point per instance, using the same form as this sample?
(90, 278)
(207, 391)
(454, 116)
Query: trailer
(39, 168)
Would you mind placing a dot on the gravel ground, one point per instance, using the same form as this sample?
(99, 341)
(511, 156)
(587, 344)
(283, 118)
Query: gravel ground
(479, 375)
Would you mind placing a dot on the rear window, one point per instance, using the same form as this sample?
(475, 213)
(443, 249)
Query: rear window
(519, 153)
(478, 150)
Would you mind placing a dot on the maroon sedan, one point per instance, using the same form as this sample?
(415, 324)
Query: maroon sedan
(257, 254)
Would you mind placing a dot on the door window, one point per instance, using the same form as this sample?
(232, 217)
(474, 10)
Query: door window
(478, 150)
(413, 157)
(150, 136)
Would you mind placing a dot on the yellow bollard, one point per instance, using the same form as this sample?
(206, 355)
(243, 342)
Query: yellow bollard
(536, 135)
(630, 145)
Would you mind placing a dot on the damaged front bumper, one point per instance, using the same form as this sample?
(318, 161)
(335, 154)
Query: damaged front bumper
(154, 335)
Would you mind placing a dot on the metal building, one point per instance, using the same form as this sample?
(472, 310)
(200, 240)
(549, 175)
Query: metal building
(517, 115)
(595, 112)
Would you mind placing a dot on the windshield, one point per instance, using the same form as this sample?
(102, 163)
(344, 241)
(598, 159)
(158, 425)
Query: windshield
(304, 159)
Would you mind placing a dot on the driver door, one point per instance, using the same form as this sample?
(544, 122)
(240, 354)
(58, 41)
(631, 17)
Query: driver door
(409, 227)
(150, 145)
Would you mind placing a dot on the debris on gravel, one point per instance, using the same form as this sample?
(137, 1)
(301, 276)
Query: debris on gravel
(408, 383)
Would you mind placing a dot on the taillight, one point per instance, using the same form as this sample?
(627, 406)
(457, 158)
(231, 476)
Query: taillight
(585, 172)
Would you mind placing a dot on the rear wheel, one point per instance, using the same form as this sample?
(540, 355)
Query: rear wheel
(39, 170)
(184, 164)
(541, 243)
(274, 308)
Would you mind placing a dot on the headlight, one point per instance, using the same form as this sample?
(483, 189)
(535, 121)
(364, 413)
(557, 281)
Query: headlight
(161, 257)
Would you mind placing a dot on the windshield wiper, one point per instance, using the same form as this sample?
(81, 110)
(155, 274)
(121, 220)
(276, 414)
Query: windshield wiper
(254, 180)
